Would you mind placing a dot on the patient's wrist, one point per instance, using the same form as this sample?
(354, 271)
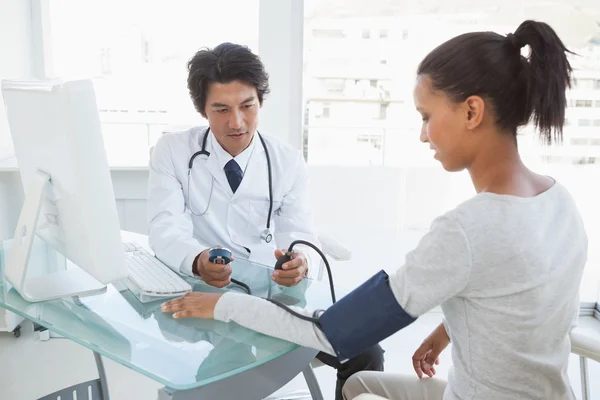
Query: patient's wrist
(225, 305)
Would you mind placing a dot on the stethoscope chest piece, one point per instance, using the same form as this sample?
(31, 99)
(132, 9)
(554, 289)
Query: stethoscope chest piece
(266, 236)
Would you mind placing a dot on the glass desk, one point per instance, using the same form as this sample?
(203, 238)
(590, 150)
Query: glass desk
(194, 359)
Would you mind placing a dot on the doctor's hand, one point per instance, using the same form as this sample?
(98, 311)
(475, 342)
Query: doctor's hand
(293, 271)
(217, 275)
(193, 305)
(427, 354)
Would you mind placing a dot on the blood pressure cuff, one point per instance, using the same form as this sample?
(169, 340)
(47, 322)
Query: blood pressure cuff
(363, 318)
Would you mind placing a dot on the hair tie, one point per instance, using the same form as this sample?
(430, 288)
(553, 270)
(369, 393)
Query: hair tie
(515, 41)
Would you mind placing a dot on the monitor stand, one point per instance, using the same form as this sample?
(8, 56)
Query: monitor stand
(53, 285)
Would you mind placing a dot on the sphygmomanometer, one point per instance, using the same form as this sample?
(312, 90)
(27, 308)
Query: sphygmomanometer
(358, 321)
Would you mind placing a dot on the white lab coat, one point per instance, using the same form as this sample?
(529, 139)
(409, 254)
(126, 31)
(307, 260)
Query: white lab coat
(233, 220)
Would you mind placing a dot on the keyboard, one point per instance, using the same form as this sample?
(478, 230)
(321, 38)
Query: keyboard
(149, 279)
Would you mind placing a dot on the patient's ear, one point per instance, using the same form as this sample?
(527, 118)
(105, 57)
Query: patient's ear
(473, 110)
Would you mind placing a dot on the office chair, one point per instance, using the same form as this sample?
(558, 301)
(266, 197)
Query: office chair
(586, 344)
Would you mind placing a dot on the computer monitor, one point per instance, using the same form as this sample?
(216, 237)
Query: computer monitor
(69, 199)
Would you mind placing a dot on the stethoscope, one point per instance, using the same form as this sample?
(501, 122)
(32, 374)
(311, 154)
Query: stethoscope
(265, 236)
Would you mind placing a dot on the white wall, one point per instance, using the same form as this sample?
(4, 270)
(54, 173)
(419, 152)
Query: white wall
(15, 55)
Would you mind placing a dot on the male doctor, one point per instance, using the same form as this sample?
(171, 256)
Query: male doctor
(210, 186)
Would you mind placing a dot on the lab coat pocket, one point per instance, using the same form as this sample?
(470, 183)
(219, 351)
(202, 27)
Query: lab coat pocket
(259, 211)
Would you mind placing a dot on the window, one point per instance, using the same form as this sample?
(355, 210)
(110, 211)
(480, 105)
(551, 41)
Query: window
(585, 83)
(328, 33)
(383, 110)
(317, 110)
(19, 58)
(333, 86)
(391, 186)
(583, 103)
(580, 141)
(372, 140)
(136, 51)
(326, 110)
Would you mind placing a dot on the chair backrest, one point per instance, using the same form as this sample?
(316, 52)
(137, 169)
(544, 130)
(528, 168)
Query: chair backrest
(586, 343)
(368, 396)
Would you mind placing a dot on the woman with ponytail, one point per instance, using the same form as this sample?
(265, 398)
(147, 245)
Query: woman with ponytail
(505, 265)
(508, 262)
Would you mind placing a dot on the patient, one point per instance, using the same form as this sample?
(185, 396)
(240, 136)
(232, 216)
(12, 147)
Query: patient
(505, 265)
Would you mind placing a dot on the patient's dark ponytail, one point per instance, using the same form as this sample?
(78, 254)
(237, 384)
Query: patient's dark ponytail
(548, 77)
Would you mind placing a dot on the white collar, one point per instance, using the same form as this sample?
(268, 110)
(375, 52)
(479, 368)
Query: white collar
(223, 157)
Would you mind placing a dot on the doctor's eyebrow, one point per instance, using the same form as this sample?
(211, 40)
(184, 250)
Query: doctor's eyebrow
(248, 100)
(218, 105)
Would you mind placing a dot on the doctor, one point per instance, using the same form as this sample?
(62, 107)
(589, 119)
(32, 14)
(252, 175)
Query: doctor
(230, 185)
(227, 184)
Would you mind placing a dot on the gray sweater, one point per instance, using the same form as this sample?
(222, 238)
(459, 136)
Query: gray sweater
(506, 271)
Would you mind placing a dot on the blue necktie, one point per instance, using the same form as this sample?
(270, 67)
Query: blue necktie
(234, 174)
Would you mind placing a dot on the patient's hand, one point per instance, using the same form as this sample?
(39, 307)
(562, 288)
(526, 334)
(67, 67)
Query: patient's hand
(427, 354)
(193, 305)
(293, 271)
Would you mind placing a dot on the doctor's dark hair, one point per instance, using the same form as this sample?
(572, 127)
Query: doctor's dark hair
(514, 87)
(225, 63)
